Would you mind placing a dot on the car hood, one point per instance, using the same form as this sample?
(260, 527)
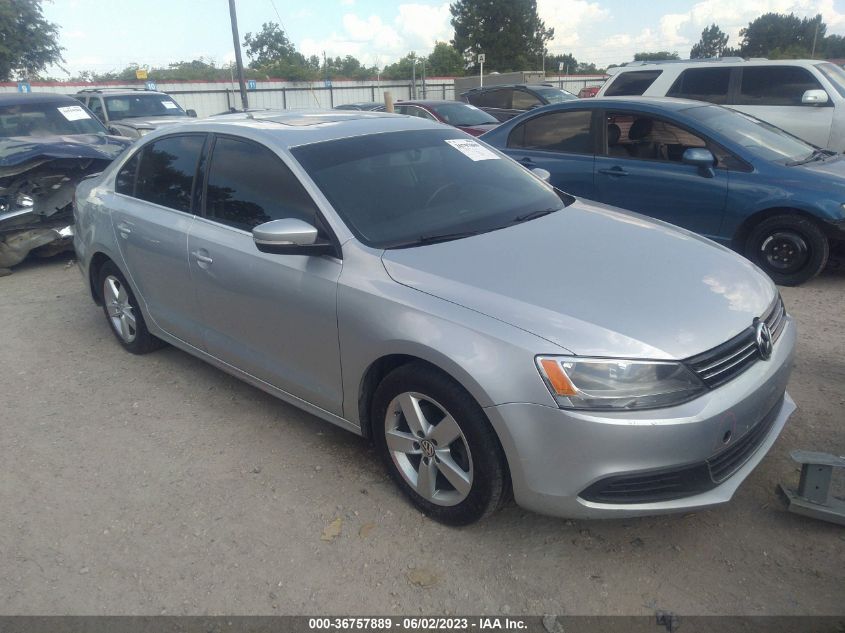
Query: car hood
(834, 166)
(17, 150)
(151, 122)
(596, 281)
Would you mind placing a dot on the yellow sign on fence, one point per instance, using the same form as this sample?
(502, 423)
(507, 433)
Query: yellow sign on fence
(140, 74)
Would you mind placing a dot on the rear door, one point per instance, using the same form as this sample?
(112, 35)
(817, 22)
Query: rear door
(152, 212)
(563, 143)
(496, 101)
(773, 94)
(271, 316)
(640, 168)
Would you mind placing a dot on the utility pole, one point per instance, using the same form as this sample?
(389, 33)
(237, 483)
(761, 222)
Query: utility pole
(815, 36)
(481, 59)
(236, 39)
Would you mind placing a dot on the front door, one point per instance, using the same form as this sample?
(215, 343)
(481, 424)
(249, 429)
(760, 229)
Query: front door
(271, 316)
(641, 170)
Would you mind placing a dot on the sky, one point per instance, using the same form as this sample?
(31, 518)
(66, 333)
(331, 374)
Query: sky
(104, 35)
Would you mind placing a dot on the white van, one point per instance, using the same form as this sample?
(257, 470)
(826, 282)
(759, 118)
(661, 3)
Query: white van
(802, 96)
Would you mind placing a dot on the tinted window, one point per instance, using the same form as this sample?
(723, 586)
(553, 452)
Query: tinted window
(96, 106)
(555, 95)
(249, 185)
(632, 135)
(492, 98)
(556, 132)
(142, 105)
(632, 83)
(457, 113)
(775, 85)
(524, 100)
(125, 181)
(395, 188)
(702, 84)
(166, 174)
(52, 118)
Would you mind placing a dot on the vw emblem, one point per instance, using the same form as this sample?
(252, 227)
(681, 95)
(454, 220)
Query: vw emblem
(764, 340)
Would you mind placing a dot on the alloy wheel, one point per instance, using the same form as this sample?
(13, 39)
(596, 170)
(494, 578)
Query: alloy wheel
(119, 309)
(429, 449)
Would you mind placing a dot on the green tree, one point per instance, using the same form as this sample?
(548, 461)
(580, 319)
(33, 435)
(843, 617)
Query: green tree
(510, 33)
(445, 61)
(659, 56)
(268, 46)
(553, 62)
(713, 41)
(28, 42)
(402, 68)
(776, 34)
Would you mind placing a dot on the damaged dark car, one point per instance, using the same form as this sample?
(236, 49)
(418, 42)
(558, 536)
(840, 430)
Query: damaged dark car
(48, 144)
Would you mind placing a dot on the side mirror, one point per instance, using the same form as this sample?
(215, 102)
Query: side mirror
(290, 236)
(702, 158)
(542, 174)
(191, 113)
(814, 97)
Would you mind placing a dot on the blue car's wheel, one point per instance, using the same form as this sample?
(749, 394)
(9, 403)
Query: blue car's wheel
(790, 248)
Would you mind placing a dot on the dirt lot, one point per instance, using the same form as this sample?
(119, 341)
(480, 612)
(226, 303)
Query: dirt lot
(157, 484)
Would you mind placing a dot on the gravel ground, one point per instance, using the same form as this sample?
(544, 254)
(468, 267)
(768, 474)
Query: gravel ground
(157, 484)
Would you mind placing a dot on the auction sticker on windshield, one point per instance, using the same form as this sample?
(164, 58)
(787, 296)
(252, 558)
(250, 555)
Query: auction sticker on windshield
(73, 113)
(169, 105)
(471, 149)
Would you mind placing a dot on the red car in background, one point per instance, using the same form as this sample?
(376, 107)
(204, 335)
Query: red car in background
(588, 91)
(461, 115)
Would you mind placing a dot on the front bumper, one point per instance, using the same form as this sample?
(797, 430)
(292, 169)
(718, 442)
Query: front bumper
(555, 455)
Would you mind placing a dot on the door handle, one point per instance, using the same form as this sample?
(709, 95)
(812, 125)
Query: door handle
(202, 258)
(615, 171)
(124, 229)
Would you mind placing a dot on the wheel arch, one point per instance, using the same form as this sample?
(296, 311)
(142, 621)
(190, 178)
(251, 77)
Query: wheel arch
(743, 232)
(95, 265)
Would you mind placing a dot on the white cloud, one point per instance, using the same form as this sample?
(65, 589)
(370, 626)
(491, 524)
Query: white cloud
(347, 3)
(567, 17)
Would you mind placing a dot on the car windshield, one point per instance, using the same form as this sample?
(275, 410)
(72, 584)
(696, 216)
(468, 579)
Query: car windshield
(406, 188)
(555, 95)
(835, 75)
(47, 119)
(462, 114)
(142, 105)
(758, 137)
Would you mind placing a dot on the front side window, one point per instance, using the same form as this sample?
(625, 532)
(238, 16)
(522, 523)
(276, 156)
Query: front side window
(775, 85)
(500, 98)
(167, 170)
(702, 84)
(632, 84)
(556, 132)
(402, 189)
(524, 100)
(125, 181)
(632, 135)
(835, 75)
(96, 106)
(249, 185)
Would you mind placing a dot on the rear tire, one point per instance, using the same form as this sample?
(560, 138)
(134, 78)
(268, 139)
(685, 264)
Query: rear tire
(438, 445)
(790, 248)
(123, 313)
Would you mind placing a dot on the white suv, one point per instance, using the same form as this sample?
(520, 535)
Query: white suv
(803, 97)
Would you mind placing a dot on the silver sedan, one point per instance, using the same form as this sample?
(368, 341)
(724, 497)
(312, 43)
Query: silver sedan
(410, 284)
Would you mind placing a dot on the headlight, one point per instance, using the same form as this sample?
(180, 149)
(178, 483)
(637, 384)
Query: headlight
(607, 383)
(144, 130)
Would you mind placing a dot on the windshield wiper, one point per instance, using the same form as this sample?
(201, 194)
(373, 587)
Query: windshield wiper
(816, 155)
(534, 215)
(434, 239)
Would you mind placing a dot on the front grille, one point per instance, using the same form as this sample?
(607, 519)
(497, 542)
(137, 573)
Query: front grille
(723, 465)
(677, 482)
(725, 362)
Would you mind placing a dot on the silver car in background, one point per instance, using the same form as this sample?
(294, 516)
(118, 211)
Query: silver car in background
(400, 279)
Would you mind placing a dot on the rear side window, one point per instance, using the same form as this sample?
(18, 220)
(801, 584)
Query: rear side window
(167, 170)
(633, 83)
(524, 100)
(125, 181)
(702, 84)
(775, 85)
(249, 185)
(556, 132)
(492, 99)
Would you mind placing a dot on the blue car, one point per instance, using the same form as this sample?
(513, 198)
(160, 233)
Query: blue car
(728, 176)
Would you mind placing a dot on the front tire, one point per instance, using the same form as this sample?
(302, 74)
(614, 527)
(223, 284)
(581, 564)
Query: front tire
(790, 248)
(123, 314)
(438, 445)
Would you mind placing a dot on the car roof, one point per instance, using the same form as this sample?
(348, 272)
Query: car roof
(14, 98)
(430, 102)
(529, 86)
(120, 92)
(728, 62)
(292, 128)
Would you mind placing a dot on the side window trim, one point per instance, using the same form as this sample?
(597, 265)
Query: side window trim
(738, 94)
(520, 129)
(208, 159)
(137, 153)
